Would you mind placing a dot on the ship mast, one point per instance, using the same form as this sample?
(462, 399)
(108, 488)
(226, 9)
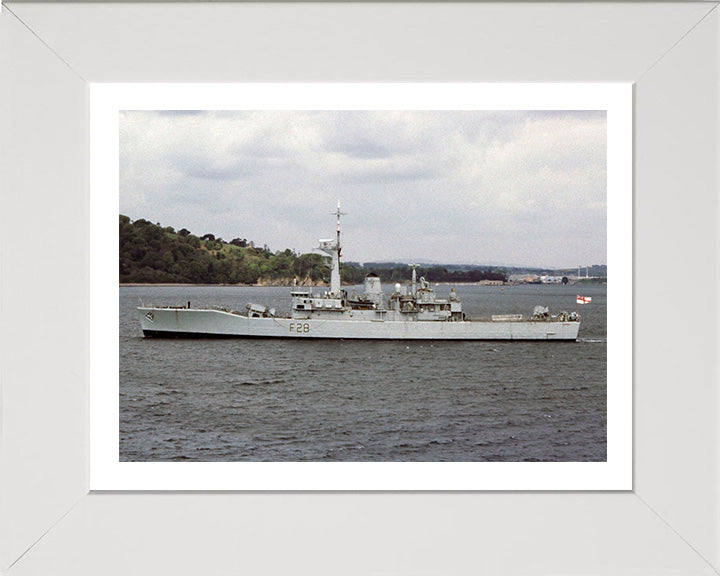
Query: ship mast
(338, 213)
(335, 272)
(414, 280)
(333, 249)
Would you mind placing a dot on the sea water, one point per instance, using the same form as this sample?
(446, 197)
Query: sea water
(322, 400)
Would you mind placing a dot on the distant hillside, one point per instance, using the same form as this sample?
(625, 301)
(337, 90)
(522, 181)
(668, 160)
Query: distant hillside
(150, 253)
(399, 272)
(595, 271)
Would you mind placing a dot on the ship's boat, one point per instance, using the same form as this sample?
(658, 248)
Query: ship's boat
(411, 312)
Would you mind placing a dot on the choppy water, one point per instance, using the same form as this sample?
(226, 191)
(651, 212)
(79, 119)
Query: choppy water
(304, 400)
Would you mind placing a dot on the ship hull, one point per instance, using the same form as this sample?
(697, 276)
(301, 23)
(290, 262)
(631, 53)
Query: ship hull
(201, 323)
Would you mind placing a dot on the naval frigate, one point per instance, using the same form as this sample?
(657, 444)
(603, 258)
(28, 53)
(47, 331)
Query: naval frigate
(411, 312)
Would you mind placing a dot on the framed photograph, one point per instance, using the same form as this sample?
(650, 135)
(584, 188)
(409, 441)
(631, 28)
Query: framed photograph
(548, 161)
(72, 67)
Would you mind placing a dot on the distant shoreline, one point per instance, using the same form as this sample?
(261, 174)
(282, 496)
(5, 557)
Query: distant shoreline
(189, 285)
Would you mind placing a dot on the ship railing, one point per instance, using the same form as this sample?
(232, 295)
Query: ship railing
(506, 317)
(228, 310)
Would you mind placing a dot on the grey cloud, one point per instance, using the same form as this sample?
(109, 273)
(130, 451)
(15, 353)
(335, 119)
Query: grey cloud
(515, 186)
(176, 113)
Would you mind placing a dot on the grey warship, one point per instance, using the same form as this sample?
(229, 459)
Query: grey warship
(411, 312)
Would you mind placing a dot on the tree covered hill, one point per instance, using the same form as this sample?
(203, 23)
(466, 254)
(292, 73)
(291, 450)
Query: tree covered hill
(150, 253)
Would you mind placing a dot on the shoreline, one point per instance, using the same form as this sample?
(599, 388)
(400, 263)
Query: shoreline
(186, 285)
(189, 285)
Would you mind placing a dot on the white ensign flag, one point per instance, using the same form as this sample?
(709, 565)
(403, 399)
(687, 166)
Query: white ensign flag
(583, 299)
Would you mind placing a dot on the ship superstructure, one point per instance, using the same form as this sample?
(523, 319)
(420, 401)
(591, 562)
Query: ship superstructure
(411, 312)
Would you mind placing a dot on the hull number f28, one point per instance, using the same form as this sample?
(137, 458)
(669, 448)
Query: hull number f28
(299, 327)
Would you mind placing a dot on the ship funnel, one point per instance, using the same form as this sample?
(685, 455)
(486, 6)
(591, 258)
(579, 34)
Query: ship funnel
(373, 288)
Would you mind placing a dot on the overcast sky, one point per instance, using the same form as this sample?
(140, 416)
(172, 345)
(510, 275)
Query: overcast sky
(500, 188)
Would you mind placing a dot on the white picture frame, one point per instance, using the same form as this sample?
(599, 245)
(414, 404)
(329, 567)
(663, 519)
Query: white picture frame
(667, 524)
(107, 472)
